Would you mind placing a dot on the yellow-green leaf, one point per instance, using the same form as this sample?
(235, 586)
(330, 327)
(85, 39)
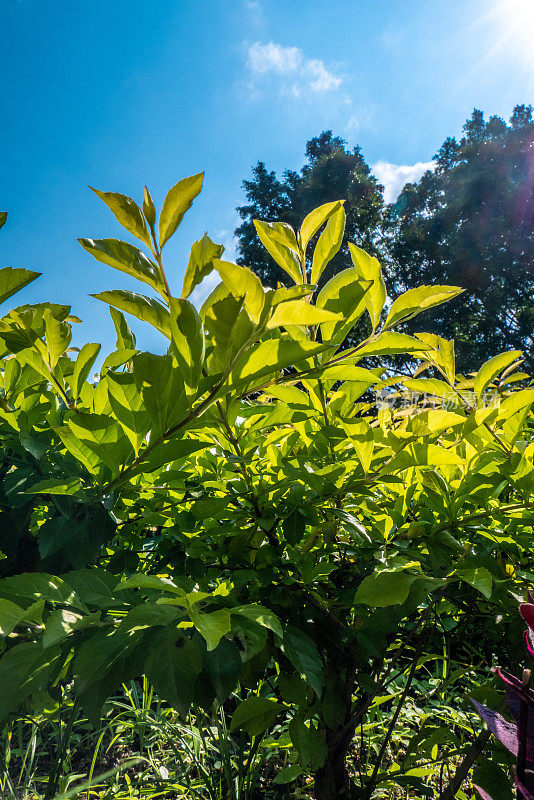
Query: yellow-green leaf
(58, 336)
(343, 293)
(383, 589)
(369, 269)
(242, 282)
(329, 243)
(212, 626)
(432, 386)
(299, 312)
(203, 254)
(349, 372)
(127, 212)
(270, 356)
(361, 435)
(188, 338)
(492, 368)
(125, 337)
(391, 343)
(82, 367)
(271, 235)
(315, 219)
(148, 208)
(412, 302)
(179, 199)
(125, 258)
(144, 308)
(12, 280)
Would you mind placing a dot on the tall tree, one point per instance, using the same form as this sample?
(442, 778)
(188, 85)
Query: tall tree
(331, 172)
(470, 222)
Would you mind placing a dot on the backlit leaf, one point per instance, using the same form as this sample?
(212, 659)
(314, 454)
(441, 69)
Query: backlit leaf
(212, 626)
(144, 308)
(84, 363)
(188, 338)
(329, 243)
(125, 258)
(148, 208)
(390, 344)
(12, 280)
(270, 234)
(315, 219)
(344, 293)
(271, 356)
(492, 368)
(261, 615)
(127, 212)
(200, 264)
(242, 282)
(58, 336)
(412, 302)
(179, 199)
(369, 269)
(299, 312)
(125, 337)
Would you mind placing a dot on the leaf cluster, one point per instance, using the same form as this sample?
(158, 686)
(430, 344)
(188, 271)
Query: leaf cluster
(257, 520)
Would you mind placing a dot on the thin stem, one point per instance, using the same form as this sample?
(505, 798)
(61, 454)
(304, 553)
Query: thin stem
(159, 259)
(482, 514)
(162, 271)
(522, 732)
(451, 790)
(372, 783)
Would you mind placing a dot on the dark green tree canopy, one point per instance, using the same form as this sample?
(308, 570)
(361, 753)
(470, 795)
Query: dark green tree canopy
(470, 222)
(332, 172)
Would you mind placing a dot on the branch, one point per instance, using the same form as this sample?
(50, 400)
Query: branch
(480, 743)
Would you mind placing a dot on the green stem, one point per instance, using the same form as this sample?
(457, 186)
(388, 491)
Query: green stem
(372, 783)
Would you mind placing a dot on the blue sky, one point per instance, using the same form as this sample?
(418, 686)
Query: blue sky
(121, 93)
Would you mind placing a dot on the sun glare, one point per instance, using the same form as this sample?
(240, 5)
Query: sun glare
(515, 22)
(520, 16)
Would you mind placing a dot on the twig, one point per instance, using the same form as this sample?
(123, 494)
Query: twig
(480, 743)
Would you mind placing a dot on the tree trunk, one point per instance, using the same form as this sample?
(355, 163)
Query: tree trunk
(332, 781)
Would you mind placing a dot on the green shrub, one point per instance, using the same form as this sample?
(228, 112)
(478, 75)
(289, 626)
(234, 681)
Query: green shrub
(262, 523)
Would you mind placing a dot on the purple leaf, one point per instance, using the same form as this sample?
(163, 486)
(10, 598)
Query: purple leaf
(515, 693)
(527, 612)
(516, 685)
(506, 732)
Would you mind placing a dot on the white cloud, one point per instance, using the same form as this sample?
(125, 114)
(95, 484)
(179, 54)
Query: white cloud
(352, 125)
(273, 58)
(255, 11)
(394, 176)
(363, 119)
(298, 75)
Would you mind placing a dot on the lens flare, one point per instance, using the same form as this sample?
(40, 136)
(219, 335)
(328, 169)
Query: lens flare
(515, 22)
